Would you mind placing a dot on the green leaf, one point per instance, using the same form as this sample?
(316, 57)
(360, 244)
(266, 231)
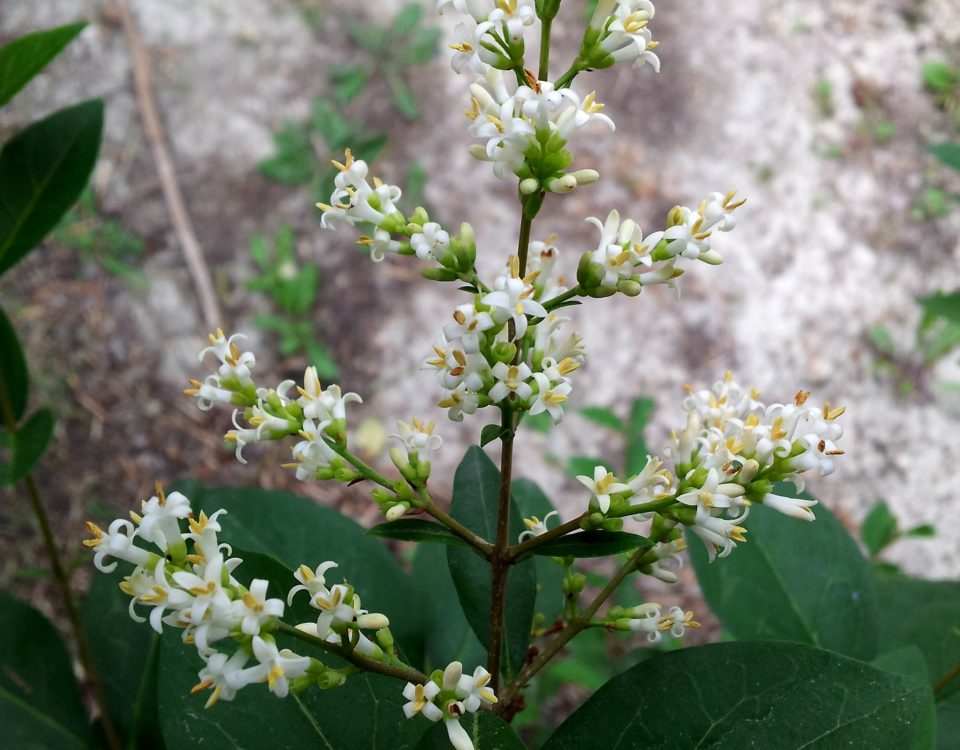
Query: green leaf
(313, 718)
(408, 17)
(348, 81)
(640, 413)
(939, 77)
(295, 530)
(947, 154)
(592, 544)
(417, 530)
(43, 169)
(492, 432)
(532, 501)
(448, 636)
(881, 338)
(879, 528)
(942, 305)
(603, 417)
(331, 125)
(23, 58)
(487, 731)
(421, 47)
(760, 695)
(636, 450)
(923, 530)
(476, 488)
(14, 379)
(40, 703)
(320, 358)
(794, 581)
(130, 692)
(925, 614)
(293, 163)
(29, 443)
(403, 97)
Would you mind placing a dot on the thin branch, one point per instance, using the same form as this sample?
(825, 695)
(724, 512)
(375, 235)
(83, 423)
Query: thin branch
(393, 669)
(518, 550)
(482, 546)
(572, 628)
(949, 677)
(153, 127)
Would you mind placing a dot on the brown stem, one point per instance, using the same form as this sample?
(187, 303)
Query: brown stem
(940, 684)
(73, 614)
(480, 544)
(518, 550)
(393, 669)
(572, 628)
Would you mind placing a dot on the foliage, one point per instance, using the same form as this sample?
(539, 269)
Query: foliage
(101, 239)
(292, 290)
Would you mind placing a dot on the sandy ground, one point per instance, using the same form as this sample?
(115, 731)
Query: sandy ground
(825, 247)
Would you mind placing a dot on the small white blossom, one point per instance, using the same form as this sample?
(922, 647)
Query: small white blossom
(602, 486)
(535, 527)
(468, 325)
(420, 701)
(311, 581)
(417, 437)
(550, 397)
(473, 690)
(254, 609)
(512, 299)
(458, 402)
(280, 665)
(511, 379)
(431, 241)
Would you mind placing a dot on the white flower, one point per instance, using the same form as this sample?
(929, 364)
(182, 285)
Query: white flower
(209, 596)
(311, 581)
(233, 362)
(459, 401)
(677, 621)
(254, 609)
(652, 483)
(513, 300)
(420, 700)
(160, 516)
(535, 527)
(511, 379)
(468, 325)
(794, 507)
(627, 37)
(208, 392)
(379, 244)
(602, 486)
(455, 366)
(712, 495)
(646, 619)
(281, 665)
(550, 396)
(203, 533)
(468, 50)
(717, 211)
(154, 591)
(417, 437)
(354, 200)
(313, 453)
(117, 542)
(473, 690)
(431, 241)
(324, 404)
(241, 437)
(720, 534)
(224, 674)
(459, 739)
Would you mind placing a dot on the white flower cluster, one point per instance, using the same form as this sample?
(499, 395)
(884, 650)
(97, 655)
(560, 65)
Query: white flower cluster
(354, 201)
(624, 36)
(512, 119)
(488, 32)
(475, 357)
(187, 582)
(447, 696)
(626, 261)
(735, 447)
(232, 383)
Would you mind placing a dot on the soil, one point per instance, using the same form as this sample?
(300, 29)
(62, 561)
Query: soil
(826, 247)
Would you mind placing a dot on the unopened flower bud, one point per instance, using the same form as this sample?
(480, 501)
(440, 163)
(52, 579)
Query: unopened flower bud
(585, 176)
(397, 511)
(711, 257)
(478, 151)
(373, 621)
(565, 184)
(629, 287)
(529, 186)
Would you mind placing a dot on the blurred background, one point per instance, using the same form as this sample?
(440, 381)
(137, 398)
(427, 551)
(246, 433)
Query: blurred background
(822, 114)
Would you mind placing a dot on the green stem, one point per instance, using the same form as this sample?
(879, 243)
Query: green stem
(554, 302)
(563, 637)
(362, 466)
(567, 78)
(395, 668)
(545, 26)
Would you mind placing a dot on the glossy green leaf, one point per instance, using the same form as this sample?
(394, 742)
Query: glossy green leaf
(925, 614)
(729, 696)
(295, 530)
(491, 432)
(448, 636)
(23, 58)
(14, 379)
(476, 488)
(40, 703)
(532, 501)
(130, 692)
(947, 154)
(793, 580)
(942, 305)
(595, 543)
(417, 530)
(486, 730)
(879, 528)
(43, 169)
(602, 416)
(29, 443)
